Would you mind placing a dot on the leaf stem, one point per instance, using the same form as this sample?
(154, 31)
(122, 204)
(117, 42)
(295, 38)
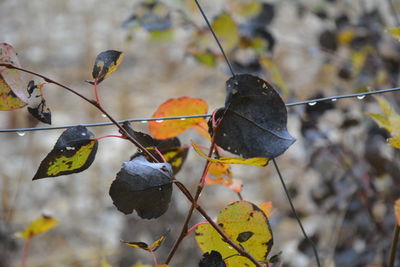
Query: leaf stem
(110, 135)
(295, 213)
(215, 37)
(92, 102)
(27, 246)
(393, 249)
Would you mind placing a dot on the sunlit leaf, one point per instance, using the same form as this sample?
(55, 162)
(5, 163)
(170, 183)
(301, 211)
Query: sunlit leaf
(141, 245)
(260, 162)
(227, 30)
(245, 224)
(220, 174)
(143, 186)
(212, 259)
(397, 211)
(106, 63)
(37, 104)
(254, 124)
(38, 226)
(395, 32)
(73, 152)
(177, 107)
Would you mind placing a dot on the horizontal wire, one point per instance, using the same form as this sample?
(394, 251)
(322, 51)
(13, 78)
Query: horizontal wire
(160, 119)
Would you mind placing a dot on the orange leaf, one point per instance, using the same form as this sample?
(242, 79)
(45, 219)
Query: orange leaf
(266, 207)
(397, 210)
(182, 106)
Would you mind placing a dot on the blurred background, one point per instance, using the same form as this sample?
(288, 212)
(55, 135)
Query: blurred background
(342, 174)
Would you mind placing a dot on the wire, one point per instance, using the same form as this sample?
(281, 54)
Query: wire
(160, 119)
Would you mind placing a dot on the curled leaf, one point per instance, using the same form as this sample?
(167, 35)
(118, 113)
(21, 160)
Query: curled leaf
(73, 152)
(177, 107)
(260, 162)
(38, 226)
(142, 245)
(254, 124)
(37, 104)
(106, 63)
(143, 186)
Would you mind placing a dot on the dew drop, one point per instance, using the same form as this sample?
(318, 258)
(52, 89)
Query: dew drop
(143, 121)
(104, 115)
(159, 121)
(312, 103)
(361, 97)
(334, 99)
(21, 133)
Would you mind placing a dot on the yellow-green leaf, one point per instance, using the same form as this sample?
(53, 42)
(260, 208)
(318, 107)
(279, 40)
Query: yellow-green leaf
(177, 107)
(271, 67)
(38, 226)
(395, 32)
(246, 8)
(73, 152)
(245, 224)
(142, 245)
(259, 162)
(8, 100)
(227, 30)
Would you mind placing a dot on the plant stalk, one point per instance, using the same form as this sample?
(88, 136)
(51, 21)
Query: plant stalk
(393, 249)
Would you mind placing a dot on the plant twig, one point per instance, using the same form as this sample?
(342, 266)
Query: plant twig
(27, 246)
(393, 249)
(295, 213)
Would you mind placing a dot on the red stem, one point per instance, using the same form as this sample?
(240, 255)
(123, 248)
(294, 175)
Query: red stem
(154, 257)
(110, 135)
(194, 227)
(96, 93)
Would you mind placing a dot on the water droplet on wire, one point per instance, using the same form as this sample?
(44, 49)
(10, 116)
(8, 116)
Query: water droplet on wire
(159, 121)
(361, 97)
(143, 121)
(21, 133)
(182, 119)
(334, 99)
(312, 103)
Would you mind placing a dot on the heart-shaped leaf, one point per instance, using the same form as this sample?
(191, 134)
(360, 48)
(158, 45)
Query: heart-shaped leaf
(245, 224)
(106, 63)
(255, 119)
(143, 186)
(37, 104)
(73, 152)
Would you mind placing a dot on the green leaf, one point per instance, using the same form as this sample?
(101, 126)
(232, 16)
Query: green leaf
(227, 30)
(106, 63)
(143, 186)
(245, 224)
(73, 152)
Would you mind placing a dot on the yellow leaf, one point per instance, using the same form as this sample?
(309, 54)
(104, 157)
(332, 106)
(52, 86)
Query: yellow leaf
(39, 226)
(345, 37)
(141, 265)
(271, 67)
(245, 224)
(259, 162)
(395, 32)
(105, 263)
(397, 211)
(177, 107)
(8, 100)
(227, 30)
(247, 8)
(141, 245)
(395, 142)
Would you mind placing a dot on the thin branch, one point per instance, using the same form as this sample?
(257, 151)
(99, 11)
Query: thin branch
(145, 120)
(295, 214)
(393, 248)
